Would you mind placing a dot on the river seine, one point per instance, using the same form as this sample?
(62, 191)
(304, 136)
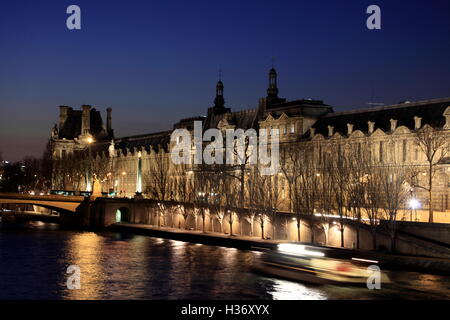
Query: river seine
(34, 259)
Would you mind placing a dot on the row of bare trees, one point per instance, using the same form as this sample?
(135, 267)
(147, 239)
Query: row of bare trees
(342, 181)
(71, 171)
(435, 145)
(348, 181)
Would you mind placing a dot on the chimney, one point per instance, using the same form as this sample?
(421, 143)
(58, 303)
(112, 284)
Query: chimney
(312, 132)
(108, 120)
(86, 120)
(447, 118)
(393, 124)
(417, 122)
(63, 115)
(371, 126)
(349, 128)
(330, 130)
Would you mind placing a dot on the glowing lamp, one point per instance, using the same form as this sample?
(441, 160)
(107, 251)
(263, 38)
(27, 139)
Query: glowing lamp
(414, 203)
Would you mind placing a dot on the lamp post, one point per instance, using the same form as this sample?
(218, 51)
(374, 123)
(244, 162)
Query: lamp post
(109, 184)
(139, 175)
(202, 200)
(89, 141)
(414, 204)
(123, 174)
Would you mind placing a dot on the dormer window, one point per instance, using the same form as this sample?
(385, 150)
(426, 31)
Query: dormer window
(349, 128)
(330, 131)
(371, 126)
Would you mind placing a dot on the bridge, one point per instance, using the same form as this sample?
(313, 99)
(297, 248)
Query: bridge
(61, 204)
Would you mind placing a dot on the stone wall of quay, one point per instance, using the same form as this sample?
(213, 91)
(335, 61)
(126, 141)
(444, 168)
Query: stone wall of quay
(428, 241)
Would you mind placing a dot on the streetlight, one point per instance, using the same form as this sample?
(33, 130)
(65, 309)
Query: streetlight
(414, 204)
(123, 174)
(139, 175)
(202, 200)
(89, 141)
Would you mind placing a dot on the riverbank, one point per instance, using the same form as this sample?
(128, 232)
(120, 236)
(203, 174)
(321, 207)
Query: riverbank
(385, 261)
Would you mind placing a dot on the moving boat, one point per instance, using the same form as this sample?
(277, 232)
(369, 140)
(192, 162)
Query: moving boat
(311, 264)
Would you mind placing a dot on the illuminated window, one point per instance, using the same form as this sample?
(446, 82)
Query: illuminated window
(292, 128)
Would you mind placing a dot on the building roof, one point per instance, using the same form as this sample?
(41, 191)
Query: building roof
(302, 107)
(245, 119)
(145, 141)
(431, 112)
(140, 142)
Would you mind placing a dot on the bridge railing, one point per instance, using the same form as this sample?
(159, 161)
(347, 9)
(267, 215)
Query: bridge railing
(23, 196)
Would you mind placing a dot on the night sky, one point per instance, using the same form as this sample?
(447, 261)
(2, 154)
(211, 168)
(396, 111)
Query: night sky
(155, 62)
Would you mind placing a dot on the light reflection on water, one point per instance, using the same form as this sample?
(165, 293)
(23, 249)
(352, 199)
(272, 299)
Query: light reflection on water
(82, 250)
(34, 259)
(288, 290)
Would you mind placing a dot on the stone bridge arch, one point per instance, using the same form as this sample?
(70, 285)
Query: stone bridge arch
(123, 214)
(58, 206)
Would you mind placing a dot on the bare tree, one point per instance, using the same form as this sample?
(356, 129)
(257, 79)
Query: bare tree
(230, 198)
(324, 195)
(272, 199)
(434, 144)
(157, 179)
(255, 198)
(302, 176)
(340, 174)
(307, 188)
(101, 166)
(242, 150)
(373, 202)
(217, 196)
(183, 188)
(69, 172)
(203, 188)
(46, 168)
(394, 191)
(244, 214)
(359, 168)
(31, 167)
(290, 166)
(158, 176)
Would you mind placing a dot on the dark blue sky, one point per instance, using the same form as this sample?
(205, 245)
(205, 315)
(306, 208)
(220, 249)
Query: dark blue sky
(154, 62)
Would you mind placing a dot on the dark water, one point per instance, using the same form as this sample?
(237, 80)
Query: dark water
(34, 260)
